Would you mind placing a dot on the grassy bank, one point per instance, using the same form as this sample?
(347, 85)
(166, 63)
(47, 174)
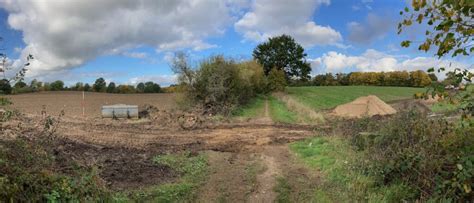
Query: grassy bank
(336, 160)
(325, 97)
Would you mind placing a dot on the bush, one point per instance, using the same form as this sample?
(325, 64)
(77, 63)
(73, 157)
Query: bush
(27, 174)
(432, 156)
(219, 85)
(276, 80)
(5, 87)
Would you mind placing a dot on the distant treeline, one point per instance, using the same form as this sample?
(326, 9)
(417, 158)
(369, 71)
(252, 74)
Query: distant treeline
(100, 85)
(395, 78)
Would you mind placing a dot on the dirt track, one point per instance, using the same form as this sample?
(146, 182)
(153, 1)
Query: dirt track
(123, 150)
(232, 148)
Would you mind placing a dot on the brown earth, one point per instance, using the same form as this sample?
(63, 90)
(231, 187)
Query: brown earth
(245, 158)
(364, 106)
(71, 102)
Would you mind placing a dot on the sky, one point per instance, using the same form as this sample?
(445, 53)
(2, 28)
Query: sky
(131, 41)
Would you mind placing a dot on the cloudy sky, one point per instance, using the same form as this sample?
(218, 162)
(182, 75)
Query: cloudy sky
(128, 41)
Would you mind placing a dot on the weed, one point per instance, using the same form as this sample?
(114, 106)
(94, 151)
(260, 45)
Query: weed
(251, 172)
(344, 182)
(5, 101)
(193, 170)
(283, 190)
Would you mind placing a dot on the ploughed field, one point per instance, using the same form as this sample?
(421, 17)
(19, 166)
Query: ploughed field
(71, 102)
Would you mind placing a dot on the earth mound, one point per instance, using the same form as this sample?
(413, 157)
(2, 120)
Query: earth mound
(364, 106)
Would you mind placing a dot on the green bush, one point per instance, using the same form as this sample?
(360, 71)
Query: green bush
(433, 156)
(27, 174)
(219, 85)
(276, 80)
(5, 87)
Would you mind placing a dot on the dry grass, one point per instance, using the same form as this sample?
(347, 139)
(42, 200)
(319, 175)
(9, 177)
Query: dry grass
(306, 113)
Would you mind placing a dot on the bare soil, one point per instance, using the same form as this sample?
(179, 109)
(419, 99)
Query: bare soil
(71, 102)
(122, 150)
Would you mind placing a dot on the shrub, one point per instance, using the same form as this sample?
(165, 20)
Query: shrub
(219, 85)
(5, 87)
(27, 174)
(432, 156)
(276, 80)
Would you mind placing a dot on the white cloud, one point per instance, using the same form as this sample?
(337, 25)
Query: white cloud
(268, 18)
(163, 80)
(372, 60)
(66, 34)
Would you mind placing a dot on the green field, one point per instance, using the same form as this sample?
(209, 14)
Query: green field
(326, 97)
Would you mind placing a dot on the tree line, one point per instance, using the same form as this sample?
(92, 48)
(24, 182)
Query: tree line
(100, 85)
(417, 78)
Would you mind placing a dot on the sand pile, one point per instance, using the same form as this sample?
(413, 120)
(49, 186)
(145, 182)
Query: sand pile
(364, 106)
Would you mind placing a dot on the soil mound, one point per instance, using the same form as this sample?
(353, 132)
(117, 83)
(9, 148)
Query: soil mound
(364, 106)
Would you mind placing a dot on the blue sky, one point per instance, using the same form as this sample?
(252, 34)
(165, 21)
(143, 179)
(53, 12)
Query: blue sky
(129, 41)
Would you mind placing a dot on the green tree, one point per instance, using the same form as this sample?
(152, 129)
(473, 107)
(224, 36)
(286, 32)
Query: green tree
(57, 85)
(20, 84)
(5, 87)
(276, 80)
(111, 87)
(35, 85)
(79, 86)
(87, 87)
(141, 87)
(99, 85)
(419, 79)
(151, 87)
(283, 53)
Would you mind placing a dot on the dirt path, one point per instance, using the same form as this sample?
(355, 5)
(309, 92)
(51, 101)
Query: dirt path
(265, 119)
(245, 159)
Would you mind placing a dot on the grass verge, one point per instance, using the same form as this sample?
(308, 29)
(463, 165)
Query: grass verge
(279, 112)
(193, 170)
(342, 181)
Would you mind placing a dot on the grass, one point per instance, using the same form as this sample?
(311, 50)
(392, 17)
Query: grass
(283, 189)
(193, 171)
(279, 112)
(251, 172)
(326, 97)
(255, 108)
(342, 181)
(444, 107)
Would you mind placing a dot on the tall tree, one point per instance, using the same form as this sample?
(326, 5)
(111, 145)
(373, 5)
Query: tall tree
(283, 53)
(111, 87)
(100, 85)
(141, 87)
(57, 85)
